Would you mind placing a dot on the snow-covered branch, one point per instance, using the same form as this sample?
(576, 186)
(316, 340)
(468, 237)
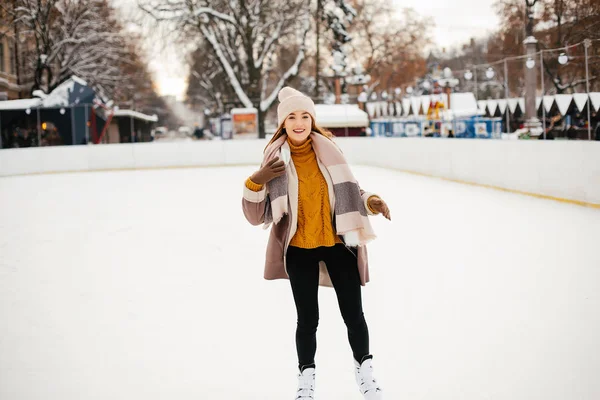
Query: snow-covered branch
(268, 45)
(210, 36)
(292, 71)
(216, 14)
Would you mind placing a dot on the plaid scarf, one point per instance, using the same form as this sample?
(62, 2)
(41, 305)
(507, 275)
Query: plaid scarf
(351, 219)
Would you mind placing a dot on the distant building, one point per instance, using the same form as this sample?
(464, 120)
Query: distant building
(9, 81)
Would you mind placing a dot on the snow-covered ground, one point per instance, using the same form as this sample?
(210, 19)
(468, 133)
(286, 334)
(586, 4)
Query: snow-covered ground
(148, 285)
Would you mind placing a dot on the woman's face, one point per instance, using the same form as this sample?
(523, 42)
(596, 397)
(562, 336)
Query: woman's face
(298, 126)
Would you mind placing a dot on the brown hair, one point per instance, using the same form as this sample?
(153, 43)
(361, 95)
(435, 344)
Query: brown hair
(314, 128)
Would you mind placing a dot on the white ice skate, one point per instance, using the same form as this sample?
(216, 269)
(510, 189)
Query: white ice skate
(306, 385)
(366, 382)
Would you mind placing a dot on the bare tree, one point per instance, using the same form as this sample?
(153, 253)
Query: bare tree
(70, 37)
(207, 82)
(558, 23)
(388, 45)
(246, 37)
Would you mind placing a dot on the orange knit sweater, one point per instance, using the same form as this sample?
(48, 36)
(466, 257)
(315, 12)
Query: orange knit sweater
(315, 227)
(314, 212)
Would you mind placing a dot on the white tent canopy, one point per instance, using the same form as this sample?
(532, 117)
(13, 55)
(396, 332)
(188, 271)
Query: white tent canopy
(464, 105)
(561, 101)
(580, 100)
(512, 105)
(502, 105)
(595, 100)
(341, 116)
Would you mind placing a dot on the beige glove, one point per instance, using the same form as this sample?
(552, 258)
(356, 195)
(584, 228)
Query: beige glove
(380, 207)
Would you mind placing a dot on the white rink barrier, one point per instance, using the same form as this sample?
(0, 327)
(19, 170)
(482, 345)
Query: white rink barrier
(567, 170)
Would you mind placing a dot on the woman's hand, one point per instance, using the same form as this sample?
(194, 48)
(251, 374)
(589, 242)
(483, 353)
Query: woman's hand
(380, 207)
(270, 171)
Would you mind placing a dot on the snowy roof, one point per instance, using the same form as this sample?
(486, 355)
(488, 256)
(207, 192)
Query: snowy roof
(464, 105)
(136, 115)
(249, 110)
(21, 104)
(72, 91)
(340, 116)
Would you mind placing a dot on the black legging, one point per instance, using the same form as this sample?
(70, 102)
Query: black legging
(303, 270)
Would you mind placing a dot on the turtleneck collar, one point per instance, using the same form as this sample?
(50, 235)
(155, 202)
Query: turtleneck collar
(304, 148)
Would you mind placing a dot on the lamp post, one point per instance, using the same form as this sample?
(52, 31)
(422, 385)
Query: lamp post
(362, 100)
(448, 82)
(543, 92)
(530, 43)
(506, 95)
(587, 43)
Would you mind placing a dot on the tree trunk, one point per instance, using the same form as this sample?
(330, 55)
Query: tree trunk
(16, 52)
(261, 123)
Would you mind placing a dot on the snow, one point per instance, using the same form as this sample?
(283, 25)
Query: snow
(207, 10)
(248, 110)
(464, 104)
(136, 114)
(141, 284)
(59, 97)
(209, 34)
(340, 116)
(21, 104)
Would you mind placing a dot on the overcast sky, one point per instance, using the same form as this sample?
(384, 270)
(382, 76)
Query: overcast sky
(455, 21)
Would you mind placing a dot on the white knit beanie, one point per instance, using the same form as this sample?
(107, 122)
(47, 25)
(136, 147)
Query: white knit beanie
(291, 100)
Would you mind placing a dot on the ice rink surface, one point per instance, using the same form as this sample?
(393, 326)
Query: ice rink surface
(147, 285)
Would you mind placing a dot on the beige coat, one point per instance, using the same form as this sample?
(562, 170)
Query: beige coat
(253, 205)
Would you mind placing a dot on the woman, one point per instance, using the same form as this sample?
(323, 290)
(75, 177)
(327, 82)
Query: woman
(320, 227)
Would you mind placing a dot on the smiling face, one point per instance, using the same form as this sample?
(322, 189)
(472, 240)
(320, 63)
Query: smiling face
(298, 126)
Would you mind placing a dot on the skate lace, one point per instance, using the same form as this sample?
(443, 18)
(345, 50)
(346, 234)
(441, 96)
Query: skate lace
(367, 382)
(306, 387)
